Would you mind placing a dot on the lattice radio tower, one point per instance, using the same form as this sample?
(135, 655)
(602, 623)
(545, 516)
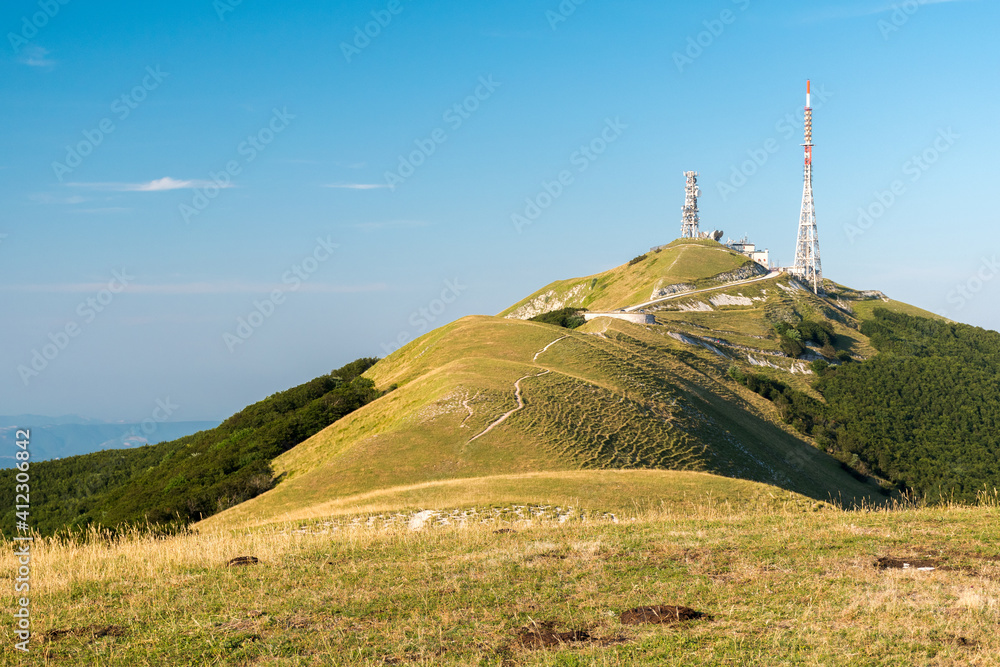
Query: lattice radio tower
(807, 262)
(689, 221)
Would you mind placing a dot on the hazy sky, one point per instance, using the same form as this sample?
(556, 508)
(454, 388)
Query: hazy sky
(168, 169)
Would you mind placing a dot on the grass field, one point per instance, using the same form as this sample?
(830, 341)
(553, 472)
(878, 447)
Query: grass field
(785, 581)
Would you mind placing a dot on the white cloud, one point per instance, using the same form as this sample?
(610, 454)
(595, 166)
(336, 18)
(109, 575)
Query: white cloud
(36, 56)
(156, 185)
(357, 186)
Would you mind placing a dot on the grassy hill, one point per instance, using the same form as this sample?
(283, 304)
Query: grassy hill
(724, 383)
(690, 262)
(500, 491)
(609, 395)
(190, 478)
(489, 394)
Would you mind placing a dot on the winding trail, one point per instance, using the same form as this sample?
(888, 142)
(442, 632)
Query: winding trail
(468, 407)
(681, 295)
(517, 393)
(520, 405)
(535, 358)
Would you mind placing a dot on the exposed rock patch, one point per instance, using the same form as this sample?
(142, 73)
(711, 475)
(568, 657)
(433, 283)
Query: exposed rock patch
(730, 300)
(546, 303)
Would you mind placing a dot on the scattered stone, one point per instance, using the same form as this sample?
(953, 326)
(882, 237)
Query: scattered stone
(93, 631)
(242, 560)
(543, 635)
(511, 514)
(661, 614)
(922, 564)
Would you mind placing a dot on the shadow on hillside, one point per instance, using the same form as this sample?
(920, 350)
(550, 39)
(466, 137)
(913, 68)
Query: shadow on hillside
(762, 452)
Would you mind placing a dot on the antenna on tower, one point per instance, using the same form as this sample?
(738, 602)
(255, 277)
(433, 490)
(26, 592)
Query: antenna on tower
(689, 220)
(807, 261)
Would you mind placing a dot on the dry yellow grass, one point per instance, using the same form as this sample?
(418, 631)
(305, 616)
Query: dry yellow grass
(785, 583)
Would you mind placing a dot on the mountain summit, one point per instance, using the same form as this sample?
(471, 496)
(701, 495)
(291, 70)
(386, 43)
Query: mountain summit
(489, 395)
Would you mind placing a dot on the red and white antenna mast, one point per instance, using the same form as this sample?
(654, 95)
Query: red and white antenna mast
(807, 260)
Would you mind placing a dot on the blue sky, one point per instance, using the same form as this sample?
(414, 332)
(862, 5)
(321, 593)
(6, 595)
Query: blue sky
(169, 169)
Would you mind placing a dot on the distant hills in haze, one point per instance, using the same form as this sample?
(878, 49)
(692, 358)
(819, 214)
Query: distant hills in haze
(71, 435)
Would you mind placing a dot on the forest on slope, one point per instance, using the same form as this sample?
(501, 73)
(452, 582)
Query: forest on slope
(175, 483)
(923, 413)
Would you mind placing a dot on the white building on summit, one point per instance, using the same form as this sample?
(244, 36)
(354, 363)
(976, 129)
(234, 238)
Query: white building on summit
(744, 247)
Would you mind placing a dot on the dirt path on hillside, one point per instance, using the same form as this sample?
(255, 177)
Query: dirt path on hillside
(520, 405)
(535, 358)
(517, 393)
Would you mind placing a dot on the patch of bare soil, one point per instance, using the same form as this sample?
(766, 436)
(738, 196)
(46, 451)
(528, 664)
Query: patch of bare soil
(661, 614)
(925, 564)
(890, 563)
(240, 561)
(544, 635)
(964, 641)
(91, 631)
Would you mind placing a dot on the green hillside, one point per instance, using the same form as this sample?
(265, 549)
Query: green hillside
(690, 262)
(608, 395)
(848, 397)
(490, 395)
(190, 478)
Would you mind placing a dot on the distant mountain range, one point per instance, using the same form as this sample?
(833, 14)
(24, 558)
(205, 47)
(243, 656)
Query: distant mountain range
(70, 435)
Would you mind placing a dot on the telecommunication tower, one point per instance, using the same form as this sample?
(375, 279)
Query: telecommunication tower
(689, 221)
(807, 261)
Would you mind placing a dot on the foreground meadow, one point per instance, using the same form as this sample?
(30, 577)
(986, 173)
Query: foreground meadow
(779, 582)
